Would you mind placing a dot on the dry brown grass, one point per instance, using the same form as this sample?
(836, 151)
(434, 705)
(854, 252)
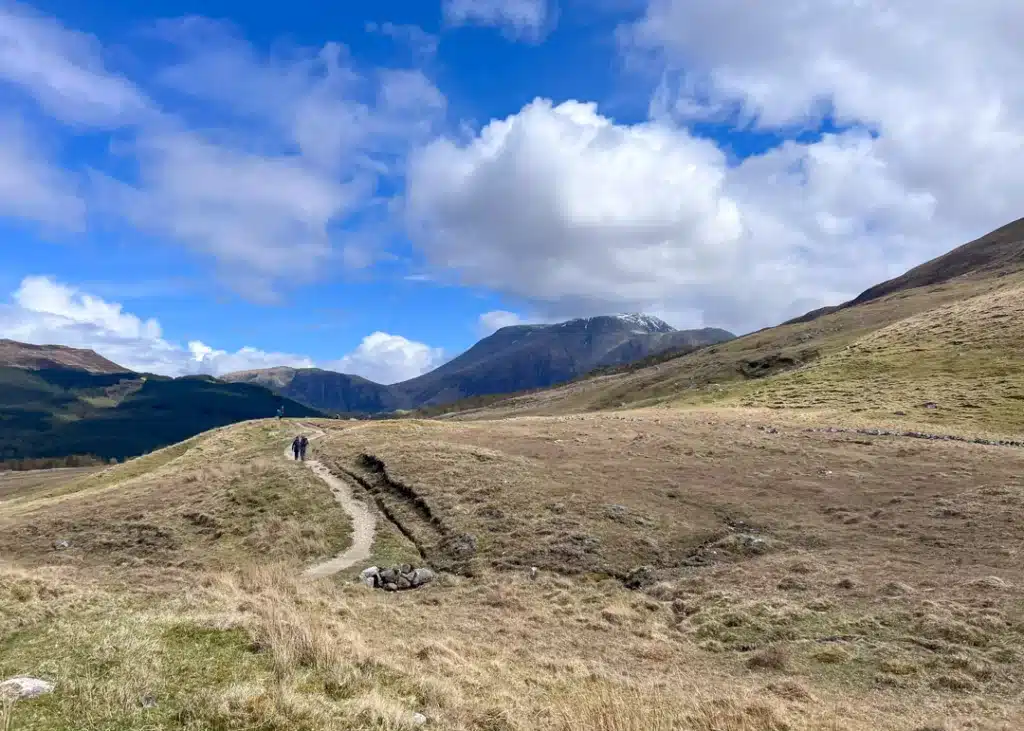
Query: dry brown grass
(672, 489)
(883, 589)
(200, 504)
(965, 357)
(21, 483)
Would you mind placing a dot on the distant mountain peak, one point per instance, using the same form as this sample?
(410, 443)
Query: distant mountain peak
(513, 358)
(637, 323)
(645, 323)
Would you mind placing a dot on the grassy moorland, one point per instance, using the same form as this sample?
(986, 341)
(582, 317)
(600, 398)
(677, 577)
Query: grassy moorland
(738, 565)
(780, 579)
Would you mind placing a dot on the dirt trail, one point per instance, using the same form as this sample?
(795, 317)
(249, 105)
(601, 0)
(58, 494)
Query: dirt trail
(363, 522)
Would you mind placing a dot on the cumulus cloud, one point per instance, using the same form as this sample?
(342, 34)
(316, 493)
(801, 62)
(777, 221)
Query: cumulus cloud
(583, 214)
(519, 19)
(934, 120)
(44, 311)
(389, 359)
(578, 213)
(205, 359)
(31, 186)
(491, 322)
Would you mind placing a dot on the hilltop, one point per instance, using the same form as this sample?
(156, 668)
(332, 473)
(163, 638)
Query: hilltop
(38, 357)
(52, 410)
(514, 358)
(327, 390)
(940, 345)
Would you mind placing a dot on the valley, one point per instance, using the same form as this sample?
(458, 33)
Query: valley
(815, 527)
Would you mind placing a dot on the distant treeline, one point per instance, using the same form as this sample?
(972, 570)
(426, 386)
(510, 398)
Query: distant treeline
(49, 463)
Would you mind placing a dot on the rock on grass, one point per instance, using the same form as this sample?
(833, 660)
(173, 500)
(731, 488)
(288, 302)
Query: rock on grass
(21, 688)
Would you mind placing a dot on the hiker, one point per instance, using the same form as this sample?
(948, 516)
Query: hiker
(280, 412)
(303, 443)
(296, 446)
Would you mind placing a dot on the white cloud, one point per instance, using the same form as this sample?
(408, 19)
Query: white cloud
(934, 82)
(260, 163)
(44, 311)
(63, 70)
(31, 186)
(389, 359)
(205, 359)
(519, 19)
(262, 218)
(44, 296)
(491, 322)
(423, 44)
(578, 213)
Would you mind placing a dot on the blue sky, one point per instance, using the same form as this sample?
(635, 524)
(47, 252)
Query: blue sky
(374, 186)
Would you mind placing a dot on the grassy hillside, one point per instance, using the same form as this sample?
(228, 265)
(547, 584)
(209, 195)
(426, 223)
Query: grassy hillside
(944, 333)
(957, 363)
(60, 412)
(35, 357)
(794, 580)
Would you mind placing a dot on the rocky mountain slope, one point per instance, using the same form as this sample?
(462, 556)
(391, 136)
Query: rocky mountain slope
(327, 390)
(515, 358)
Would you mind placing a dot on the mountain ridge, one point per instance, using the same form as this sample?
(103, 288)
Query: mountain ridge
(513, 358)
(16, 354)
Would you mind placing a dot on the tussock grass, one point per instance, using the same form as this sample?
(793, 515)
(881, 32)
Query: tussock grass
(965, 357)
(204, 503)
(224, 633)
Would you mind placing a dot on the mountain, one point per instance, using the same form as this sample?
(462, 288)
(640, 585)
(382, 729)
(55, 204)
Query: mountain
(640, 347)
(327, 390)
(522, 357)
(37, 357)
(58, 402)
(942, 341)
(515, 358)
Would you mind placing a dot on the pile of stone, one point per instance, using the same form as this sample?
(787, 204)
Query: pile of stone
(399, 578)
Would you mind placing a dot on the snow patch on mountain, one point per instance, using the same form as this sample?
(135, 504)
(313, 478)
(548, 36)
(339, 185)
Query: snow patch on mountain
(643, 324)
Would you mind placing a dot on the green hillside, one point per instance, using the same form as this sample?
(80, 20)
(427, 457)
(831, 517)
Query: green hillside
(60, 412)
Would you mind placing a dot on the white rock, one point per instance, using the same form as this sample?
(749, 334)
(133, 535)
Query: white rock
(366, 575)
(419, 719)
(23, 687)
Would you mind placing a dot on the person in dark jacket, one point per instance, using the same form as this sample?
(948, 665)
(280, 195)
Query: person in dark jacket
(296, 446)
(303, 443)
